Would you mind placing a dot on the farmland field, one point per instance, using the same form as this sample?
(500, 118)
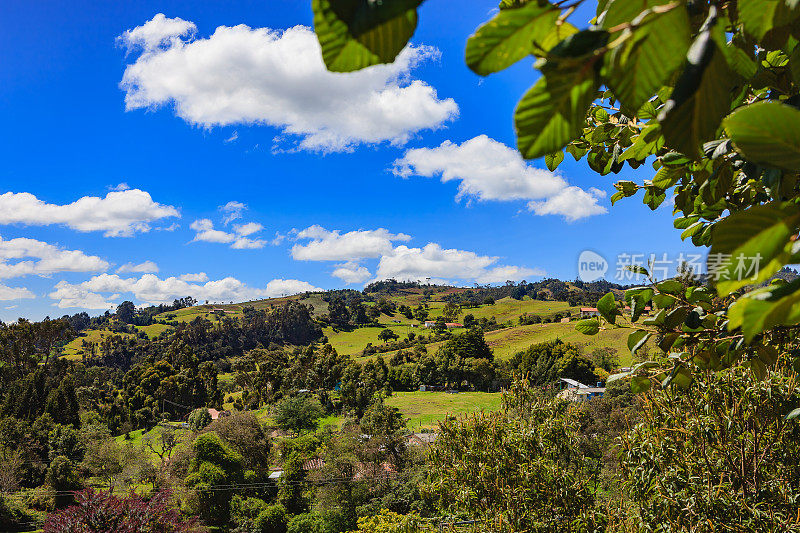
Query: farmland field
(426, 409)
(507, 342)
(73, 348)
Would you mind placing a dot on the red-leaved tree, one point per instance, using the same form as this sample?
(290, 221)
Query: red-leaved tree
(100, 512)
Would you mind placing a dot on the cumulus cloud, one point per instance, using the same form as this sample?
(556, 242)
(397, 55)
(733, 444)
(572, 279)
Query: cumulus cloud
(148, 267)
(243, 75)
(206, 232)
(119, 214)
(14, 293)
(24, 257)
(201, 277)
(486, 169)
(238, 239)
(158, 31)
(248, 229)
(326, 245)
(433, 261)
(150, 289)
(351, 272)
(233, 211)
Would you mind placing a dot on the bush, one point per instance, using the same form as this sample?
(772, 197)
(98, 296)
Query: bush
(298, 413)
(100, 511)
(721, 453)
(306, 523)
(199, 419)
(272, 520)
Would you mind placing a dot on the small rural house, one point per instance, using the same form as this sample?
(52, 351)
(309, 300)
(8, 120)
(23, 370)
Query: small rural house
(450, 325)
(576, 391)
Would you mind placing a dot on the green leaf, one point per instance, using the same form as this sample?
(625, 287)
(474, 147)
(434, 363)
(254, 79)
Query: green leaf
(558, 32)
(589, 326)
(637, 299)
(675, 159)
(553, 160)
(702, 94)
(622, 375)
(750, 246)
(758, 368)
(767, 133)
(670, 286)
(576, 152)
(552, 112)
(653, 197)
(762, 309)
(607, 305)
(637, 339)
(645, 61)
(509, 37)
(666, 177)
(663, 301)
(646, 144)
(767, 354)
(640, 384)
(761, 16)
(355, 34)
(637, 269)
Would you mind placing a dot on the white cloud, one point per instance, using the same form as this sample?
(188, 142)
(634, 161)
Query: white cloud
(23, 257)
(351, 272)
(14, 293)
(233, 210)
(243, 75)
(433, 261)
(201, 277)
(206, 232)
(158, 31)
(489, 170)
(119, 214)
(328, 245)
(151, 289)
(70, 296)
(248, 229)
(238, 239)
(501, 274)
(148, 267)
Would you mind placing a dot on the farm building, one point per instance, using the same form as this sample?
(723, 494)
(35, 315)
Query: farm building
(576, 391)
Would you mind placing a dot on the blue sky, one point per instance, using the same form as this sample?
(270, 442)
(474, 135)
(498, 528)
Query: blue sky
(129, 125)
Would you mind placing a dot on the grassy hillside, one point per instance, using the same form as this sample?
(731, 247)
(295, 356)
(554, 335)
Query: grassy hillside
(425, 409)
(508, 309)
(154, 330)
(353, 342)
(72, 350)
(506, 342)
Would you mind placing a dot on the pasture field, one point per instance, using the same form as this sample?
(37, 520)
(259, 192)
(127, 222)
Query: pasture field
(353, 342)
(72, 349)
(507, 342)
(154, 330)
(425, 409)
(507, 309)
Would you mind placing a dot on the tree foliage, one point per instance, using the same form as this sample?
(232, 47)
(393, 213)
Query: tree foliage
(706, 92)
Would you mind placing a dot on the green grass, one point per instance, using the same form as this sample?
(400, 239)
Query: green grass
(507, 309)
(154, 330)
(425, 409)
(72, 350)
(353, 342)
(507, 342)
